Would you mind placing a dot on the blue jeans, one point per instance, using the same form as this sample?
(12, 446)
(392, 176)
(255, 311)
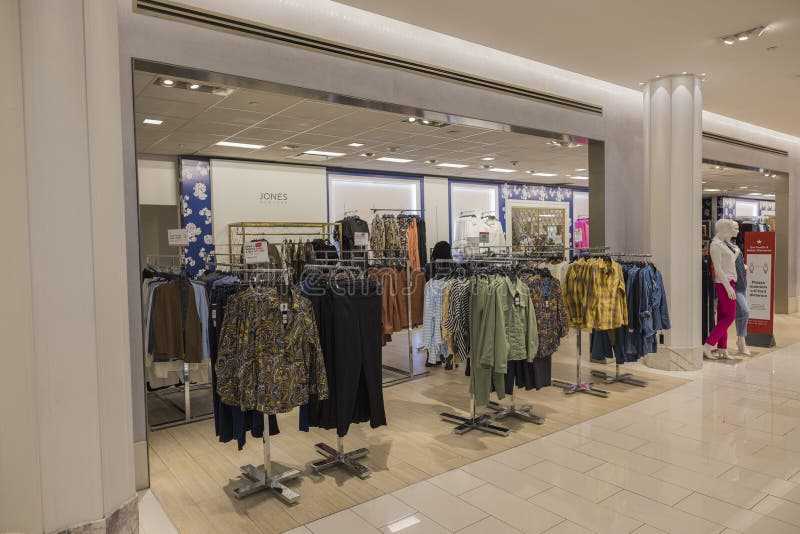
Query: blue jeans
(742, 314)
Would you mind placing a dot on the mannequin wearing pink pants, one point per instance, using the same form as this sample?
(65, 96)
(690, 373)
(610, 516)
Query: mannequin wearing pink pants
(726, 313)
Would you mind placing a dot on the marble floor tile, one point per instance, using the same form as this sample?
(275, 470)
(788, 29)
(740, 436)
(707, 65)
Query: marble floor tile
(622, 457)
(733, 516)
(725, 490)
(761, 482)
(516, 458)
(457, 481)
(782, 509)
(772, 461)
(647, 529)
(519, 513)
(683, 458)
(610, 437)
(489, 525)
(645, 485)
(444, 508)
(568, 527)
(345, 521)
(383, 510)
(519, 483)
(590, 488)
(594, 517)
(659, 515)
(563, 456)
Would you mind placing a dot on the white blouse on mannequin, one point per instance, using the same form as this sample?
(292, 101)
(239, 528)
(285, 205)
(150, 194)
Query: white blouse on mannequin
(724, 260)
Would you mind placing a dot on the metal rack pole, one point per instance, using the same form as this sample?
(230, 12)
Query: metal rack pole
(481, 422)
(578, 386)
(337, 456)
(626, 378)
(263, 478)
(520, 412)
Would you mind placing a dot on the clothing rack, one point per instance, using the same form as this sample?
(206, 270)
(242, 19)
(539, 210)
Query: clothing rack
(482, 422)
(409, 373)
(467, 213)
(264, 477)
(626, 378)
(334, 457)
(348, 212)
(375, 210)
(154, 262)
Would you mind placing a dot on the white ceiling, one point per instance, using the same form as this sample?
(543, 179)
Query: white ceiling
(736, 182)
(628, 41)
(194, 121)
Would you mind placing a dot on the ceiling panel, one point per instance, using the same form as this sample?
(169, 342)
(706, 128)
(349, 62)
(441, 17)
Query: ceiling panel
(168, 124)
(317, 110)
(141, 80)
(179, 94)
(169, 108)
(258, 101)
(266, 134)
(234, 116)
(285, 121)
(203, 126)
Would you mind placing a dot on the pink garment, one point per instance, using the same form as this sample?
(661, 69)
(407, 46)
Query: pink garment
(726, 313)
(581, 234)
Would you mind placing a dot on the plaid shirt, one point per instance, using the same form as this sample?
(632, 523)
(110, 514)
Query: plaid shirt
(595, 294)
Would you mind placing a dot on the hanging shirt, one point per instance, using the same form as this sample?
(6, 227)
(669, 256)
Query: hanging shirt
(432, 338)
(496, 240)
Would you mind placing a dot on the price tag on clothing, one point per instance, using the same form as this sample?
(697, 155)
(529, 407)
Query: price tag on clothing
(178, 237)
(516, 300)
(483, 238)
(284, 307)
(256, 252)
(578, 235)
(361, 239)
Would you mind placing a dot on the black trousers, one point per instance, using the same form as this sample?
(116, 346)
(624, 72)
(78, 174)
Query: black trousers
(350, 332)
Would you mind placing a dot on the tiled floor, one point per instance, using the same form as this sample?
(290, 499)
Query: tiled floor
(718, 454)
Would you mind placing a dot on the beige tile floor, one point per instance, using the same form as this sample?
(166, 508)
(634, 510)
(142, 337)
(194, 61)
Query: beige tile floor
(718, 453)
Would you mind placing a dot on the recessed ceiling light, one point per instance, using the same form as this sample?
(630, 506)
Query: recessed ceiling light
(487, 158)
(498, 169)
(743, 37)
(579, 177)
(770, 195)
(684, 73)
(425, 121)
(323, 153)
(743, 187)
(754, 194)
(355, 144)
(412, 119)
(705, 182)
(729, 40)
(395, 160)
(580, 170)
(711, 190)
(543, 173)
(239, 145)
(194, 86)
(289, 147)
(168, 82)
(152, 121)
(774, 175)
(453, 165)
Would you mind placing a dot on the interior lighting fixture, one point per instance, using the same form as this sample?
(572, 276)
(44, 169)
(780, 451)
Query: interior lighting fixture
(412, 119)
(770, 195)
(356, 145)
(487, 158)
(239, 145)
(758, 31)
(431, 161)
(167, 82)
(580, 170)
(498, 169)
(323, 153)
(289, 147)
(403, 524)
(548, 174)
(152, 121)
(579, 177)
(452, 165)
(425, 121)
(711, 190)
(367, 154)
(194, 86)
(754, 194)
(774, 175)
(395, 160)
(743, 187)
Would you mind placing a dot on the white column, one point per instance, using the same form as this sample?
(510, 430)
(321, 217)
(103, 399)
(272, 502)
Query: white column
(673, 162)
(68, 313)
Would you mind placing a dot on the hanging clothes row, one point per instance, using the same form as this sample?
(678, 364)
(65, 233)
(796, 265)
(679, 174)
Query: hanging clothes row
(647, 313)
(580, 237)
(595, 294)
(474, 235)
(355, 236)
(176, 324)
(298, 254)
(395, 286)
(505, 321)
(403, 234)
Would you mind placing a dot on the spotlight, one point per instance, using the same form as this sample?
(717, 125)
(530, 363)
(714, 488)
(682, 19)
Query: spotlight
(743, 37)
(425, 121)
(168, 83)
(729, 40)
(194, 86)
(412, 119)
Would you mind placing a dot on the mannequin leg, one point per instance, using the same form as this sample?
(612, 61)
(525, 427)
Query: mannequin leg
(742, 316)
(726, 313)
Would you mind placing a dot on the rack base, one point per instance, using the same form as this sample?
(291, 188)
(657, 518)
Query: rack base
(345, 459)
(259, 481)
(520, 412)
(481, 422)
(626, 378)
(585, 387)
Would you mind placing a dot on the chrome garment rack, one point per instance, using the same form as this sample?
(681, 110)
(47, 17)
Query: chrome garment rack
(481, 422)
(155, 261)
(264, 477)
(578, 386)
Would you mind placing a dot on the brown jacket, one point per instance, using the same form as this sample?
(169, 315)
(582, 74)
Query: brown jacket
(170, 338)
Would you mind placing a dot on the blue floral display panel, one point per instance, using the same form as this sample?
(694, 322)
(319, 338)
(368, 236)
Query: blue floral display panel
(536, 192)
(195, 190)
(766, 205)
(707, 205)
(726, 208)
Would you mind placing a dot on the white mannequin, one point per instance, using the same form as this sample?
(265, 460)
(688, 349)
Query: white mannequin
(724, 261)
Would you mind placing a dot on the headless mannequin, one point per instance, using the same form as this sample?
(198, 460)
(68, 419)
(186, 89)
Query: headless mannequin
(724, 260)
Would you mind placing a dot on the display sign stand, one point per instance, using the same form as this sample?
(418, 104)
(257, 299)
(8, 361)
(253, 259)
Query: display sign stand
(759, 256)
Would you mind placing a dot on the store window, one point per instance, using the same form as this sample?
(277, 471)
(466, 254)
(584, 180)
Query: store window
(746, 209)
(358, 194)
(476, 200)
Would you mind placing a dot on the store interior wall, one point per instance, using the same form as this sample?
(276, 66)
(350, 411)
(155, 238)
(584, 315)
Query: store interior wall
(620, 126)
(358, 193)
(437, 219)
